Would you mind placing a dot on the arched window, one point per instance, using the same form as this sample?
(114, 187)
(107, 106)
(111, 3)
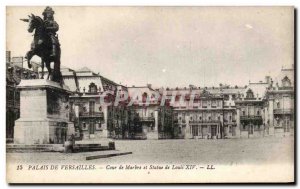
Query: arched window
(286, 82)
(249, 94)
(144, 97)
(244, 113)
(84, 126)
(93, 88)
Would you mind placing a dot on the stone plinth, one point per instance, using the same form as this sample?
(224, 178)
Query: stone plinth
(44, 113)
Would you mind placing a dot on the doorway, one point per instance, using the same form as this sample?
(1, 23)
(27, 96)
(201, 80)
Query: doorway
(213, 130)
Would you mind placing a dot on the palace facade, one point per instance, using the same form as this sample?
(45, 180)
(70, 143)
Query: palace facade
(256, 110)
(280, 103)
(211, 116)
(95, 119)
(153, 121)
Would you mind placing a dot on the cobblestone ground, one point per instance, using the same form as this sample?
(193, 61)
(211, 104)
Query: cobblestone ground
(229, 151)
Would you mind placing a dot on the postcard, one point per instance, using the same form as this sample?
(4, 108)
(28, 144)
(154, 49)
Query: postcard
(161, 94)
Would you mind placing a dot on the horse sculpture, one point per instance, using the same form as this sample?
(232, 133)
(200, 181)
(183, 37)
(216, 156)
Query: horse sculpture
(41, 46)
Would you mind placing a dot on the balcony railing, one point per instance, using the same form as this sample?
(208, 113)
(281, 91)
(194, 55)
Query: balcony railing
(91, 114)
(251, 117)
(283, 111)
(204, 121)
(286, 88)
(147, 119)
(229, 121)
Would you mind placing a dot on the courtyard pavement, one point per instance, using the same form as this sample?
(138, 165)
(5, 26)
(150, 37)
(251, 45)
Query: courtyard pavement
(222, 151)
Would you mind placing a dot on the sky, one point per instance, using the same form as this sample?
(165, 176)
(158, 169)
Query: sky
(167, 46)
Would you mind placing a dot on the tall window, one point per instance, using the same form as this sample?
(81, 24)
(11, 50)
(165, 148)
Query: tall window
(92, 107)
(204, 104)
(287, 102)
(83, 125)
(278, 105)
(278, 121)
(92, 127)
(214, 103)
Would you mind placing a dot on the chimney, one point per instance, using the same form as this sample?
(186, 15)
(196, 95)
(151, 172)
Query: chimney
(268, 79)
(17, 61)
(149, 85)
(8, 55)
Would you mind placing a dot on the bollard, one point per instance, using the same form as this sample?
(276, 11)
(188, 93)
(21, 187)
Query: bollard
(68, 146)
(111, 145)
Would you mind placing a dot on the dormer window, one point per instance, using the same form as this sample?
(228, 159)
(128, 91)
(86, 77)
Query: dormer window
(226, 97)
(233, 97)
(249, 94)
(144, 97)
(93, 88)
(286, 82)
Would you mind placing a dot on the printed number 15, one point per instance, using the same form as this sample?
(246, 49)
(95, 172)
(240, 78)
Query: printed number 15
(19, 167)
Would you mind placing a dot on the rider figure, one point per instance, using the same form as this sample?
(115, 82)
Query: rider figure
(51, 27)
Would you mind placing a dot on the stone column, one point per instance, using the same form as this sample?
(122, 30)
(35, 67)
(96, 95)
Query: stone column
(153, 134)
(271, 117)
(187, 128)
(105, 118)
(156, 120)
(238, 123)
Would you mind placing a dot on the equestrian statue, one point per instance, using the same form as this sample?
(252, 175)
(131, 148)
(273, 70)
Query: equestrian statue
(45, 43)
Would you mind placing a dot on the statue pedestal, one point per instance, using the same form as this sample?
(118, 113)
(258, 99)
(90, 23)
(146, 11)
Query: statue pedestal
(44, 113)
